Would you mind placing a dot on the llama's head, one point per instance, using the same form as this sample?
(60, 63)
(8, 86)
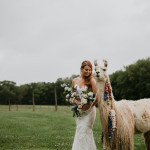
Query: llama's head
(100, 71)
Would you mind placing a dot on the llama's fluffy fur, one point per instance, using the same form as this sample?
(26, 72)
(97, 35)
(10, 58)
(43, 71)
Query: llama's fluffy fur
(141, 112)
(123, 137)
(131, 116)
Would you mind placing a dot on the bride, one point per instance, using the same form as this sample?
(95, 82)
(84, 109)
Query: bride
(84, 139)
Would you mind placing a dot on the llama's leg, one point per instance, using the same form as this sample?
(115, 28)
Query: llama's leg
(104, 144)
(147, 140)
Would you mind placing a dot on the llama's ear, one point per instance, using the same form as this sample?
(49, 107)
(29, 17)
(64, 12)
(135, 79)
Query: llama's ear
(105, 62)
(95, 62)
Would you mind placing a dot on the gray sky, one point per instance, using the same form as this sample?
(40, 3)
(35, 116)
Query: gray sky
(42, 40)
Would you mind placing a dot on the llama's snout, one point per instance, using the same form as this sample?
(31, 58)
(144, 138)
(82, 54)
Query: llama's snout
(97, 73)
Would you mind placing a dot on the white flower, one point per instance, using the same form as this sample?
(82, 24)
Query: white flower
(69, 89)
(76, 86)
(66, 99)
(84, 95)
(76, 94)
(90, 94)
(79, 106)
(67, 96)
(66, 88)
(84, 101)
(63, 85)
(72, 95)
(71, 100)
(84, 88)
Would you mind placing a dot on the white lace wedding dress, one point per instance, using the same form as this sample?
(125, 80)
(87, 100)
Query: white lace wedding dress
(84, 139)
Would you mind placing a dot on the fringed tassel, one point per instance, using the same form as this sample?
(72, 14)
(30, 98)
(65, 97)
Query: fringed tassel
(110, 127)
(107, 93)
(112, 116)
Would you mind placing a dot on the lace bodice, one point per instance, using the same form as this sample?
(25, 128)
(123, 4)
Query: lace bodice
(84, 87)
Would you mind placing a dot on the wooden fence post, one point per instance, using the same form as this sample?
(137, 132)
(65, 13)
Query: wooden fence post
(33, 101)
(9, 103)
(55, 99)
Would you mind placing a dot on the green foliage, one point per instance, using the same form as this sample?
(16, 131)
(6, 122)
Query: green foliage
(43, 92)
(132, 83)
(7, 92)
(60, 90)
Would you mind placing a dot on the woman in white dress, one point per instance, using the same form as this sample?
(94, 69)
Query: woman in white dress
(84, 139)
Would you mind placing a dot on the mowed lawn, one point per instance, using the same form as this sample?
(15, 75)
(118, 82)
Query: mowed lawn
(44, 129)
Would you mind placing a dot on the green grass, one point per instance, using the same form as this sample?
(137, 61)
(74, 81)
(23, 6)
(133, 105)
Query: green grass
(44, 129)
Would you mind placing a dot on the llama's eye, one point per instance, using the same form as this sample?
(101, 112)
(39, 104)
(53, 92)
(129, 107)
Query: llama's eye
(104, 69)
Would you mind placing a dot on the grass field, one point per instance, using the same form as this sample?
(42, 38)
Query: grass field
(44, 129)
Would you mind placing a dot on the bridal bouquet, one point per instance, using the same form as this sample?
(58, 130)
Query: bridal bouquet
(78, 98)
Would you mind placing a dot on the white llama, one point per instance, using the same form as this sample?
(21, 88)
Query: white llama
(122, 137)
(140, 109)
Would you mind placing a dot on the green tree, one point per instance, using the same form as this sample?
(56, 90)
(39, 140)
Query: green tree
(132, 83)
(7, 92)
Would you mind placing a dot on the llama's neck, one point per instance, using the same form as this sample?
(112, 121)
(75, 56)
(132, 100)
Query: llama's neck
(105, 105)
(100, 92)
(100, 86)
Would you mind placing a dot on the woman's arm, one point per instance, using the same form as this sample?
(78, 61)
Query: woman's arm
(93, 84)
(73, 83)
(94, 89)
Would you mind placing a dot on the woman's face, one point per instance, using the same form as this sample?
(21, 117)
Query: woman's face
(86, 71)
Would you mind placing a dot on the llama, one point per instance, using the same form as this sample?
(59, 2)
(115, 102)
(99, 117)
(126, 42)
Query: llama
(120, 138)
(141, 113)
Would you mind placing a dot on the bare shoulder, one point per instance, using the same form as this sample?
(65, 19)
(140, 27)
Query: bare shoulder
(75, 80)
(93, 81)
(93, 84)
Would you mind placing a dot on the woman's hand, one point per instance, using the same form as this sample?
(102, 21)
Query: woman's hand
(87, 106)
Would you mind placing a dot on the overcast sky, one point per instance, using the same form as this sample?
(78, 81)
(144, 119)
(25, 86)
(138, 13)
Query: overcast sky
(42, 40)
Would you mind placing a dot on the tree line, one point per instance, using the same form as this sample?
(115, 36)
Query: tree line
(43, 93)
(133, 82)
